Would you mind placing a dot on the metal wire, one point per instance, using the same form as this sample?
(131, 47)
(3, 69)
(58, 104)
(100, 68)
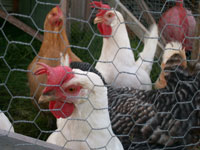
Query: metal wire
(85, 46)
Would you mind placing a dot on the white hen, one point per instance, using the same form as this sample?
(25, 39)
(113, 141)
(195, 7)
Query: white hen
(117, 63)
(5, 123)
(86, 124)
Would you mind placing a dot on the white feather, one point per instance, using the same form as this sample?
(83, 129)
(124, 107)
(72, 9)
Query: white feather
(145, 61)
(64, 60)
(89, 125)
(117, 63)
(171, 49)
(5, 123)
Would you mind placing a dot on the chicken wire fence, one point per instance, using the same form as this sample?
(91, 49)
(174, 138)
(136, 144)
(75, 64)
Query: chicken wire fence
(18, 50)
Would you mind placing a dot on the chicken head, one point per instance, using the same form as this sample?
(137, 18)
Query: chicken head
(60, 105)
(106, 18)
(55, 19)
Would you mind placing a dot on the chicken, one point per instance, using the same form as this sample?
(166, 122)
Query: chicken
(80, 107)
(174, 55)
(116, 62)
(165, 118)
(55, 43)
(178, 23)
(159, 118)
(5, 123)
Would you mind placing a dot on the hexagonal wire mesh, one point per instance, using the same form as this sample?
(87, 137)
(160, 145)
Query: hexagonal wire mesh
(140, 119)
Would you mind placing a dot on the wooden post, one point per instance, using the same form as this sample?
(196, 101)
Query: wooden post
(65, 9)
(195, 56)
(16, 5)
(16, 22)
(80, 10)
(147, 16)
(87, 9)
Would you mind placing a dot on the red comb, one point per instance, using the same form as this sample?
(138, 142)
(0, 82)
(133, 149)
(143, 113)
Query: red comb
(100, 5)
(43, 70)
(59, 10)
(55, 75)
(179, 3)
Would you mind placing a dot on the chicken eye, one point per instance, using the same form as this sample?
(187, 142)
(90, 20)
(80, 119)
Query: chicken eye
(71, 89)
(53, 14)
(110, 15)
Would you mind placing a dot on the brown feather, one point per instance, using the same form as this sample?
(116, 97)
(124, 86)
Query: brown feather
(52, 45)
(177, 59)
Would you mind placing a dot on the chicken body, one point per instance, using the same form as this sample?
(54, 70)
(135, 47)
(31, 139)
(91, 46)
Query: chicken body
(5, 123)
(116, 63)
(55, 44)
(78, 133)
(88, 126)
(166, 117)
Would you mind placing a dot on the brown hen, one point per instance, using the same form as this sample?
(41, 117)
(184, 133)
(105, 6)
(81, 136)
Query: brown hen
(54, 44)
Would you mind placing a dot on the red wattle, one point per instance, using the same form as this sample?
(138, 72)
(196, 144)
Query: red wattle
(104, 29)
(66, 109)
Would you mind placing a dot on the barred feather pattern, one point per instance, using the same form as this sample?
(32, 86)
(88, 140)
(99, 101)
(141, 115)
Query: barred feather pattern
(175, 61)
(166, 118)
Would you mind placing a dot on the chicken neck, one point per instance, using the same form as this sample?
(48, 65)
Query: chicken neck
(117, 47)
(88, 121)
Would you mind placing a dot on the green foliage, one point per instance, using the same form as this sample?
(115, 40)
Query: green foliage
(89, 45)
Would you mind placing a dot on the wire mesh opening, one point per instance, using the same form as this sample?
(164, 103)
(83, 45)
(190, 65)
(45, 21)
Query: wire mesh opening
(118, 104)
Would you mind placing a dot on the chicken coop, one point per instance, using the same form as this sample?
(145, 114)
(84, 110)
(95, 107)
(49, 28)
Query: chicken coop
(104, 74)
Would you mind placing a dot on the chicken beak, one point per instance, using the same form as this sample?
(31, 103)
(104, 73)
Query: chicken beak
(98, 20)
(44, 98)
